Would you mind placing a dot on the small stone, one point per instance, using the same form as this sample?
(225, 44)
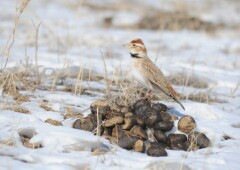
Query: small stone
(53, 122)
(160, 136)
(143, 109)
(138, 146)
(178, 142)
(111, 114)
(188, 146)
(117, 131)
(155, 144)
(114, 121)
(151, 117)
(140, 122)
(166, 116)
(164, 126)
(186, 124)
(179, 146)
(106, 131)
(159, 107)
(118, 106)
(129, 122)
(126, 142)
(141, 106)
(89, 123)
(156, 151)
(200, 139)
(177, 138)
(138, 132)
(100, 106)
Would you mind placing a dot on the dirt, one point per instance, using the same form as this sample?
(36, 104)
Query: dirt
(175, 21)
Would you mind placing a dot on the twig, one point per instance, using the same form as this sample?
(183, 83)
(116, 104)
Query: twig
(36, 50)
(106, 76)
(18, 13)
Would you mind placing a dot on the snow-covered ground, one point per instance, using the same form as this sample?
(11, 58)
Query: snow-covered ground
(72, 33)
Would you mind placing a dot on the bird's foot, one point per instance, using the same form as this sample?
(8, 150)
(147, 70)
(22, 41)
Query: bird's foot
(148, 95)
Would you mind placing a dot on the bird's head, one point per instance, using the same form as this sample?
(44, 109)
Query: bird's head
(137, 48)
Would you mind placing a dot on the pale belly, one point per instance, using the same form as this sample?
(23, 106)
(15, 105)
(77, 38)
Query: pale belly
(141, 79)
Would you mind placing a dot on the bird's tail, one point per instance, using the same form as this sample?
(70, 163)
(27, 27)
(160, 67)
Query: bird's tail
(176, 99)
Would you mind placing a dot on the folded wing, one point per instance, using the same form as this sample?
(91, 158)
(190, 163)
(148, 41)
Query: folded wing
(158, 81)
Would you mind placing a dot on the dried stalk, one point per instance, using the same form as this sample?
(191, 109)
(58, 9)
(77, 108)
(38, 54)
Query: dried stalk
(11, 40)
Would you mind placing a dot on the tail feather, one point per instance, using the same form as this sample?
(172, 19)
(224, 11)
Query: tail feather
(176, 99)
(169, 91)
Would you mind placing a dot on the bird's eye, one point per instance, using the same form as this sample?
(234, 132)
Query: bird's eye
(134, 44)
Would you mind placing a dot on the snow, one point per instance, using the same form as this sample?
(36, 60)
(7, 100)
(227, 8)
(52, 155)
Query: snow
(71, 35)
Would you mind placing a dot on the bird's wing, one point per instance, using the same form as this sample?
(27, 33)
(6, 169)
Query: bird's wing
(157, 79)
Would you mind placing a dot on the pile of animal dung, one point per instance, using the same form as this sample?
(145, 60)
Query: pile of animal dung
(143, 127)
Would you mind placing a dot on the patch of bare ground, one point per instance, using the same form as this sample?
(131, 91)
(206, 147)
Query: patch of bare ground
(18, 109)
(19, 98)
(46, 107)
(8, 142)
(26, 142)
(226, 137)
(73, 112)
(53, 122)
(26, 135)
(175, 21)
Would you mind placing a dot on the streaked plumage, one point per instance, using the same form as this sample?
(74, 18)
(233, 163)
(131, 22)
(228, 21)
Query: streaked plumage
(147, 73)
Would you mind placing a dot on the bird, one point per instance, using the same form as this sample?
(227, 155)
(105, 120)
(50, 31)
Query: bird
(147, 73)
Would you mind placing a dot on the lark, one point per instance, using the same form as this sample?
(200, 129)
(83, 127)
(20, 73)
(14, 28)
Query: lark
(147, 73)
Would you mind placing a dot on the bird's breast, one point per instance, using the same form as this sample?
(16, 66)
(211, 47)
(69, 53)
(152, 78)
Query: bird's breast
(138, 74)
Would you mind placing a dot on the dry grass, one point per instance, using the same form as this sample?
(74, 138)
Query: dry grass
(19, 98)
(190, 80)
(53, 122)
(108, 87)
(47, 108)
(78, 87)
(131, 93)
(8, 142)
(17, 80)
(25, 140)
(18, 109)
(36, 50)
(155, 19)
(26, 135)
(98, 151)
(8, 47)
(202, 97)
(175, 21)
(72, 112)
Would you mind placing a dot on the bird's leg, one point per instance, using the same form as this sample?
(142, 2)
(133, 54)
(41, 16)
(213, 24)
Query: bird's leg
(148, 95)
